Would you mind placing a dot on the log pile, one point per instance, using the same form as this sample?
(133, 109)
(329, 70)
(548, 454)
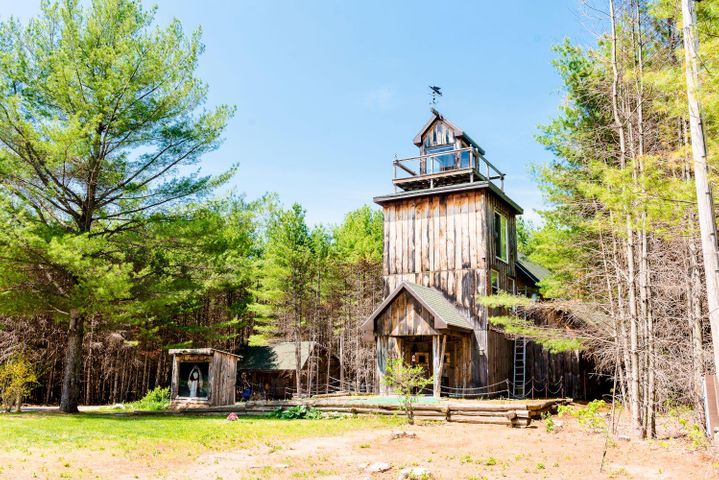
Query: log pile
(510, 413)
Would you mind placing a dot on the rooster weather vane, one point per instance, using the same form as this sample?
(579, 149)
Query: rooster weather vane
(435, 92)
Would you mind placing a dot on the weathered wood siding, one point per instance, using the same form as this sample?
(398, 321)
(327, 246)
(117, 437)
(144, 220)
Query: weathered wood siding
(439, 241)
(405, 316)
(500, 351)
(570, 369)
(223, 377)
(445, 241)
(506, 269)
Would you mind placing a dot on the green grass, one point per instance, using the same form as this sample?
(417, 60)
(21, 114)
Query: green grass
(179, 434)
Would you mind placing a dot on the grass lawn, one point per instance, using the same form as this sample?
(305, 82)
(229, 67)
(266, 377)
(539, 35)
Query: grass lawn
(42, 444)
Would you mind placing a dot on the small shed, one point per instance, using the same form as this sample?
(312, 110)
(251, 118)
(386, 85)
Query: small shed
(269, 370)
(203, 377)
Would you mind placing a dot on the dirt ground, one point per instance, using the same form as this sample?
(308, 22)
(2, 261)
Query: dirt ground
(461, 451)
(447, 450)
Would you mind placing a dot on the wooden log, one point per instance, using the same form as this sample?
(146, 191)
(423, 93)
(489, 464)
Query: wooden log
(493, 420)
(484, 413)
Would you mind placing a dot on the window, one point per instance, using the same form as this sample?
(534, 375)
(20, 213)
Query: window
(494, 282)
(501, 235)
(441, 162)
(512, 286)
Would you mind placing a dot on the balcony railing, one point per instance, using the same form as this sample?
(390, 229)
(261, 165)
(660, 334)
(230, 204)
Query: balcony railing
(442, 168)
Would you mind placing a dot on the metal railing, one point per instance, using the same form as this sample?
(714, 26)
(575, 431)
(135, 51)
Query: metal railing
(468, 159)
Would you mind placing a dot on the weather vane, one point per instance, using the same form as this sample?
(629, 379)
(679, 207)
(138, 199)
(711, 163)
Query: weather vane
(435, 92)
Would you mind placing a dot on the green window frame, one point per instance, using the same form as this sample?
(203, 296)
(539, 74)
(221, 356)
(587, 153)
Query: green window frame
(501, 237)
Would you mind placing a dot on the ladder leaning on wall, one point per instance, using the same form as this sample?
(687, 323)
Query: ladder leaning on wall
(520, 367)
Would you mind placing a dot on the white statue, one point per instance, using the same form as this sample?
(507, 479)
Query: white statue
(194, 381)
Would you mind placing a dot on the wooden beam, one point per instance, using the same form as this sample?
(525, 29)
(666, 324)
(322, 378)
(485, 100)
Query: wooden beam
(406, 169)
(439, 346)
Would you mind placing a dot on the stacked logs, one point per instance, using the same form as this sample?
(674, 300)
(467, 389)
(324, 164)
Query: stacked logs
(512, 414)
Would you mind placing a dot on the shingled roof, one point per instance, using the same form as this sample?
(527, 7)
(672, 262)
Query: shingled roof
(275, 357)
(445, 314)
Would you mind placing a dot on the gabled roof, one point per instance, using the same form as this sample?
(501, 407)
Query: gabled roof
(278, 356)
(535, 272)
(444, 313)
(456, 131)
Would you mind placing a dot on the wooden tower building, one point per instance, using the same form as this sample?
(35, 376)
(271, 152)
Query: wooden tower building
(449, 237)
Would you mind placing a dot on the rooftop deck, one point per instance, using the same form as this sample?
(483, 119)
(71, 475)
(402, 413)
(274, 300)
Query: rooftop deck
(439, 169)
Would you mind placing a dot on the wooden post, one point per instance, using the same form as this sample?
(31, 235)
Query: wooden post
(439, 345)
(532, 388)
(705, 200)
(381, 359)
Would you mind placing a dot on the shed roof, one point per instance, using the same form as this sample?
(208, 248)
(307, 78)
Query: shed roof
(534, 271)
(444, 312)
(199, 351)
(278, 356)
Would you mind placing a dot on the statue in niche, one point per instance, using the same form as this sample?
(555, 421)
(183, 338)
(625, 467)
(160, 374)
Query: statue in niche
(194, 381)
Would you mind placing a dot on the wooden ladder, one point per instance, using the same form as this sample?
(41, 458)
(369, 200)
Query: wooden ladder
(520, 367)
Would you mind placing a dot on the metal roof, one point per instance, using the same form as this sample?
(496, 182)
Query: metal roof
(278, 356)
(445, 314)
(533, 270)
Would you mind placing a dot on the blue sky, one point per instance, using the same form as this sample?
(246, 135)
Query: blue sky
(327, 92)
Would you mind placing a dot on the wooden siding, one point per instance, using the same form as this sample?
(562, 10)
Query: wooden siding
(500, 351)
(506, 269)
(445, 241)
(439, 241)
(438, 134)
(405, 316)
(573, 369)
(223, 375)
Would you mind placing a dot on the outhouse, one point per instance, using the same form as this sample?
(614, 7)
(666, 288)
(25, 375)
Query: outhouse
(203, 377)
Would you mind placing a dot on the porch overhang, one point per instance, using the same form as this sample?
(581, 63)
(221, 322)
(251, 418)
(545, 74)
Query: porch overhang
(445, 316)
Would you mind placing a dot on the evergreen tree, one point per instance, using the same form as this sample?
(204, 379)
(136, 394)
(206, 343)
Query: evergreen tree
(100, 115)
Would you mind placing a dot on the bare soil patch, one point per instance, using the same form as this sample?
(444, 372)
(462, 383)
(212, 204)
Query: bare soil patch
(448, 450)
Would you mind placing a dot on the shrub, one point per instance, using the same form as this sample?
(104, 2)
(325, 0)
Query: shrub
(588, 416)
(16, 379)
(155, 400)
(296, 413)
(406, 381)
(695, 433)
(549, 424)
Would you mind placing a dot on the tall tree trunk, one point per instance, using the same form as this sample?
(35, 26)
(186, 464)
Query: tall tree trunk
(634, 393)
(298, 349)
(705, 200)
(72, 374)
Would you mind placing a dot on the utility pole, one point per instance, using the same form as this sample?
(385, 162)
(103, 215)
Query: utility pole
(705, 201)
